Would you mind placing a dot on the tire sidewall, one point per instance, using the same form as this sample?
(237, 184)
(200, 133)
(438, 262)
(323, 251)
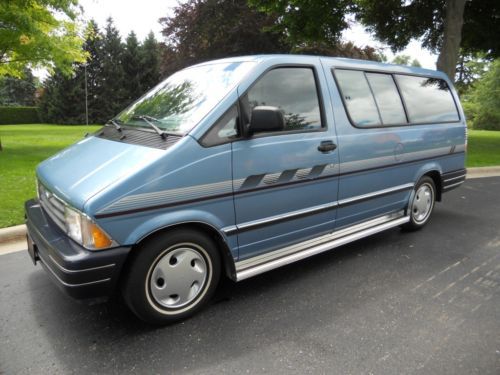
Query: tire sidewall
(136, 286)
(413, 224)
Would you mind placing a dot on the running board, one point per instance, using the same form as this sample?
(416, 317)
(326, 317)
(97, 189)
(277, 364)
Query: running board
(266, 262)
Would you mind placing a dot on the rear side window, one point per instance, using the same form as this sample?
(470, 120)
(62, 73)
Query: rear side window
(427, 99)
(358, 97)
(293, 91)
(387, 98)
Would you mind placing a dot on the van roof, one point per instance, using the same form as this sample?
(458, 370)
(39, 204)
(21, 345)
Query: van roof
(336, 61)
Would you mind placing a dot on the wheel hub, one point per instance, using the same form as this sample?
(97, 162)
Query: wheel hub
(178, 277)
(422, 203)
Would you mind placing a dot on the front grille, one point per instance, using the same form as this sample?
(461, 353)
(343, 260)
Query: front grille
(52, 205)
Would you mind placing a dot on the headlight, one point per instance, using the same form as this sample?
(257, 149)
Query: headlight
(81, 229)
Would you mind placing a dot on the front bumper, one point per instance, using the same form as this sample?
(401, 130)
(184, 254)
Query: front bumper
(81, 273)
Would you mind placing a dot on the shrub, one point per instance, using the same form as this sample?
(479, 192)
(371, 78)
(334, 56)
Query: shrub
(19, 115)
(482, 103)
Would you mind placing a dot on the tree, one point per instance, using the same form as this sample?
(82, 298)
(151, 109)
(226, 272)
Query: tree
(405, 60)
(304, 21)
(482, 102)
(444, 26)
(18, 91)
(92, 68)
(132, 68)
(201, 30)
(115, 73)
(470, 68)
(63, 99)
(112, 95)
(42, 33)
(339, 49)
(150, 63)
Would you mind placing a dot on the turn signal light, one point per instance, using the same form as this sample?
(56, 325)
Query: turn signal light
(100, 239)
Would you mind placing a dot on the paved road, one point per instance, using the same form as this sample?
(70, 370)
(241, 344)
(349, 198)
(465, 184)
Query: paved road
(395, 303)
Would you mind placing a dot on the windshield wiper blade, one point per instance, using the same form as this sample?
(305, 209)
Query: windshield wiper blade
(147, 119)
(115, 124)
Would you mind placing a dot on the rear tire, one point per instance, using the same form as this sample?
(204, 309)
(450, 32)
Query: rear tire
(422, 204)
(172, 276)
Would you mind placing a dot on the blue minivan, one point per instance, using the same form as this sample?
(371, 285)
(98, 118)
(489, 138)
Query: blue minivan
(234, 167)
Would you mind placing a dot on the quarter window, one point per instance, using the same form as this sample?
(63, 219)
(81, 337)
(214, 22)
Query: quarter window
(358, 97)
(427, 99)
(293, 91)
(225, 129)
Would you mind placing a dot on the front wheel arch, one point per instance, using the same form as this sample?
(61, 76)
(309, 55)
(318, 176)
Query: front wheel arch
(228, 261)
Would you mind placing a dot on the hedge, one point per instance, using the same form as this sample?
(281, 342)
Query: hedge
(19, 115)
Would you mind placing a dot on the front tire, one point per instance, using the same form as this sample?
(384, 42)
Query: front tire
(172, 276)
(422, 204)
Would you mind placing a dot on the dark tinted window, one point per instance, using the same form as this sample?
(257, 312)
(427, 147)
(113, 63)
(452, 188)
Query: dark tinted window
(427, 99)
(224, 130)
(387, 98)
(357, 97)
(293, 91)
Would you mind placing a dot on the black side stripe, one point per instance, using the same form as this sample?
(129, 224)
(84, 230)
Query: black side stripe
(400, 163)
(452, 180)
(448, 175)
(259, 188)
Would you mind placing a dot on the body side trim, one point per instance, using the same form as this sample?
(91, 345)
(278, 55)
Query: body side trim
(454, 178)
(260, 264)
(312, 210)
(449, 187)
(278, 218)
(277, 185)
(395, 189)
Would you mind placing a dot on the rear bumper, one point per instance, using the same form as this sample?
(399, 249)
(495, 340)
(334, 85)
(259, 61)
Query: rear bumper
(80, 273)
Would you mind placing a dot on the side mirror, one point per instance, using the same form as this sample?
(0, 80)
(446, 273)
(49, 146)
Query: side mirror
(266, 119)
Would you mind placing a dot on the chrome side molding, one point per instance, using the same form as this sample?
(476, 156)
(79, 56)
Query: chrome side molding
(313, 210)
(266, 262)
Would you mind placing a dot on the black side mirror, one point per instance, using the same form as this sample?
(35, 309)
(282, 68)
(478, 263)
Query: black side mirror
(266, 119)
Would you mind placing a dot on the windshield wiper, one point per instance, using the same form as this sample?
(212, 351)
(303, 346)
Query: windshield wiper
(115, 124)
(147, 119)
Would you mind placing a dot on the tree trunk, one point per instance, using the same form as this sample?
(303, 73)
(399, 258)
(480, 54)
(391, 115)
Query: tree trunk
(448, 56)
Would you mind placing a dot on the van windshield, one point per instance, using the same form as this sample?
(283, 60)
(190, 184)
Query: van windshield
(177, 104)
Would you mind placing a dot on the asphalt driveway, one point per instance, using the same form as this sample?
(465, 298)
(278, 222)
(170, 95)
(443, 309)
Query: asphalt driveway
(395, 303)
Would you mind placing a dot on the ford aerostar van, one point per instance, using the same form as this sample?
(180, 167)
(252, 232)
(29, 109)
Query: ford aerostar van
(234, 167)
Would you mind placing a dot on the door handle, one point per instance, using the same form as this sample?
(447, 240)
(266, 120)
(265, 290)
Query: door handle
(327, 146)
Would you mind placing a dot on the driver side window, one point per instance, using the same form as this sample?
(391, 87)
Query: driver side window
(293, 90)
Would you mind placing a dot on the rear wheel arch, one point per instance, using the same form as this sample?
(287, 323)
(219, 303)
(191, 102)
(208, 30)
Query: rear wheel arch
(438, 183)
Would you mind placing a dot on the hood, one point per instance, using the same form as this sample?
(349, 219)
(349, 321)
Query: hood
(82, 170)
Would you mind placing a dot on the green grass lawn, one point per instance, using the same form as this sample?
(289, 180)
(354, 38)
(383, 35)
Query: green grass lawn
(483, 148)
(24, 146)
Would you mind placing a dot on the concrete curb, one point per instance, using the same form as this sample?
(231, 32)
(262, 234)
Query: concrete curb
(480, 172)
(13, 235)
(12, 239)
